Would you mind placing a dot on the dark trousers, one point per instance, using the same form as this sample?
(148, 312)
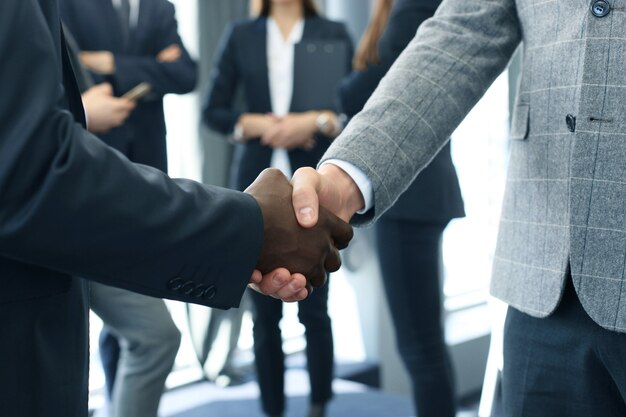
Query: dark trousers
(564, 365)
(409, 255)
(268, 351)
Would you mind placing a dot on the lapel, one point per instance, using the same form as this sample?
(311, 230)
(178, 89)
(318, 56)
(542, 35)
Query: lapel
(72, 93)
(258, 53)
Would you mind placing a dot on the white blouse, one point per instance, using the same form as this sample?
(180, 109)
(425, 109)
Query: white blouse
(280, 75)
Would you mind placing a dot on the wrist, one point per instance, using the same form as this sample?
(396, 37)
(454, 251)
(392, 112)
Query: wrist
(351, 198)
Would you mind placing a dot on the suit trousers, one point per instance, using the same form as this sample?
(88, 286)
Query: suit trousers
(564, 365)
(268, 351)
(410, 259)
(149, 341)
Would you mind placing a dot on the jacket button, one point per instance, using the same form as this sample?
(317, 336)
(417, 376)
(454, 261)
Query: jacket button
(198, 291)
(209, 293)
(188, 287)
(570, 121)
(174, 284)
(600, 8)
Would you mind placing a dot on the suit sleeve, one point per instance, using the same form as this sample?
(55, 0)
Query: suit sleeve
(71, 204)
(178, 77)
(437, 79)
(218, 112)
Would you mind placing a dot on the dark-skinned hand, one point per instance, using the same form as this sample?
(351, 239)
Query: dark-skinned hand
(312, 251)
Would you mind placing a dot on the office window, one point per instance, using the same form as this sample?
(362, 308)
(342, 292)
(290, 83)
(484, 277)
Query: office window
(480, 154)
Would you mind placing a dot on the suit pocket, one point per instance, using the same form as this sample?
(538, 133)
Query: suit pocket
(519, 124)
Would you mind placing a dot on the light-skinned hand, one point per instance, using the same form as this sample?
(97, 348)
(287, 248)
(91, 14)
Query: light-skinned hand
(331, 187)
(295, 130)
(105, 112)
(280, 284)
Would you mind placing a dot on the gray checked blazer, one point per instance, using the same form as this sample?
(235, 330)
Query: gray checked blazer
(565, 199)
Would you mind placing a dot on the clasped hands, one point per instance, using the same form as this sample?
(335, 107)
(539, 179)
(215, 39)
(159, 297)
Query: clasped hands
(301, 239)
(291, 131)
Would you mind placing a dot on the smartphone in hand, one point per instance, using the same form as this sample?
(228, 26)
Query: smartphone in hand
(138, 92)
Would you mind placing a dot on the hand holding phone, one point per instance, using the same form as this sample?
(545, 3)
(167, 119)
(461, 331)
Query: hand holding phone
(138, 92)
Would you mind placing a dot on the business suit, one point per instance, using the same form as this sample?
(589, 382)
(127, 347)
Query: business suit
(243, 61)
(409, 234)
(59, 184)
(96, 26)
(563, 212)
(150, 339)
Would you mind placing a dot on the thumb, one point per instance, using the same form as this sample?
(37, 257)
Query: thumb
(306, 184)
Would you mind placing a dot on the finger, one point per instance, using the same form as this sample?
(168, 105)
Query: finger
(278, 137)
(333, 260)
(317, 278)
(298, 297)
(272, 282)
(267, 138)
(341, 232)
(296, 284)
(306, 184)
(129, 104)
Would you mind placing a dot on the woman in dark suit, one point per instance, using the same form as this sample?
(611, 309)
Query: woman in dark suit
(258, 55)
(409, 234)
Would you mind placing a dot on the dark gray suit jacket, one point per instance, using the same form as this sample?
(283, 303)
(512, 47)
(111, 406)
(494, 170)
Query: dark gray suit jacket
(565, 199)
(72, 206)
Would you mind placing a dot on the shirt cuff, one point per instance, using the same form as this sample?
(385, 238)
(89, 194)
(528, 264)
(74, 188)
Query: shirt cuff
(361, 180)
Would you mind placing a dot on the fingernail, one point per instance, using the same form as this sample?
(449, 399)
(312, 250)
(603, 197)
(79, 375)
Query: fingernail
(294, 286)
(306, 214)
(277, 280)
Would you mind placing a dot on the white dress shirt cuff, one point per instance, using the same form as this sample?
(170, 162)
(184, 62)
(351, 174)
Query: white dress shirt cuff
(362, 181)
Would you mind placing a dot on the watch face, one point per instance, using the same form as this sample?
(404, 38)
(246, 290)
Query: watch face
(323, 123)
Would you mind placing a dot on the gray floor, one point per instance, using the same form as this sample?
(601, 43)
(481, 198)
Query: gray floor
(351, 400)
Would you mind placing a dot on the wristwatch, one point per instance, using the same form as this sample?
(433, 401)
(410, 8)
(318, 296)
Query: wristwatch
(238, 136)
(323, 124)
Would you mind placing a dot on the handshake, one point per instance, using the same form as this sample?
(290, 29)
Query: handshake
(293, 258)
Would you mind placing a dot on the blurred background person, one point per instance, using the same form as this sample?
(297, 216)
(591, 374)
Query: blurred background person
(258, 55)
(122, 44)
(409, 235)
(104, 111)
